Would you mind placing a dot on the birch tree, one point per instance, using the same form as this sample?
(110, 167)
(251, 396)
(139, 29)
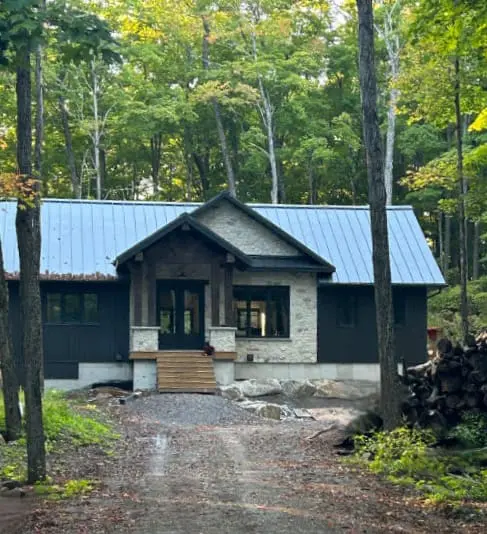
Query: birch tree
(389, 31)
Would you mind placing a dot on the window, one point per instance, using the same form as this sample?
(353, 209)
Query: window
(72, 308)
(261, 311)
(347, 311)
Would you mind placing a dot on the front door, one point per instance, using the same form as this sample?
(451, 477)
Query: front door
(181, 313)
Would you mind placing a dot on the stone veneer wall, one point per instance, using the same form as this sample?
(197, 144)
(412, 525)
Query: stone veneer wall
(302, 345)
(244, 232)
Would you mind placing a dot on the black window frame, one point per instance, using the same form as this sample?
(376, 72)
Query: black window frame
(346, 301)
(266, 294)
(64, 295)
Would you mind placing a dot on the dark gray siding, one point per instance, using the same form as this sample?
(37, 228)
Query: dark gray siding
(65, 345)
(358, 343)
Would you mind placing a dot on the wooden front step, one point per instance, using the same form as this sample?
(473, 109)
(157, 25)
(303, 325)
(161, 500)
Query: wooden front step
(185, 372)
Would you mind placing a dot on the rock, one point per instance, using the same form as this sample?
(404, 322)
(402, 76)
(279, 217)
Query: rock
(270, 411)
(10, 484)
(303, 414)
(231, 392)
(260, 388)
(263, 409)
(16, 492)
(286, 412)
(351, 390)
(298, 388)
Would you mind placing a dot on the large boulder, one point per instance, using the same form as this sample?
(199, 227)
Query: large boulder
(260, 388)
(298, 388)
(231, 392)
(262, 409)
(351, 390)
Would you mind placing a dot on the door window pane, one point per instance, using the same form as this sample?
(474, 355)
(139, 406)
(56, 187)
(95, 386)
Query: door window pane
(167, 311)
(90, 308)
(53, 307)
(72, 308)
(191, 313)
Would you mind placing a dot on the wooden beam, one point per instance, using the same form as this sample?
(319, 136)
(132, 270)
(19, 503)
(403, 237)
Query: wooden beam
(215, 293)
(136, 288)
(151, 288)
(228, 283)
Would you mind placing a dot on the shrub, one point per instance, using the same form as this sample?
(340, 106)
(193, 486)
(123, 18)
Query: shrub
(472, 430)
(404, 456)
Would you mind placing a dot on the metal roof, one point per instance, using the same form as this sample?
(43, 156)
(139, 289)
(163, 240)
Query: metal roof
(81, 238)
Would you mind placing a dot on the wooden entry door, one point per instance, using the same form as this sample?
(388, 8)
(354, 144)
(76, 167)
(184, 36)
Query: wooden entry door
(181, 314)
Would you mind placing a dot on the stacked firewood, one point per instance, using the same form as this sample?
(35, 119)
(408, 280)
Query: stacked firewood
(448, 385)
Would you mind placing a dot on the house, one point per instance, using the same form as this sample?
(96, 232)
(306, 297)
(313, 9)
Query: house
(133, 290)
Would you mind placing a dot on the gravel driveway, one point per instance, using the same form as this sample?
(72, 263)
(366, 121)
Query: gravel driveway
(201, 465)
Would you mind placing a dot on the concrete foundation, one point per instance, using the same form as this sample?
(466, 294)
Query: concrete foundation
(145, 374)
(90, 373)
(311, 371)
(224, 372)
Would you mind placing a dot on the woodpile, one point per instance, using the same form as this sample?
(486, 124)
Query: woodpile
(452, 383)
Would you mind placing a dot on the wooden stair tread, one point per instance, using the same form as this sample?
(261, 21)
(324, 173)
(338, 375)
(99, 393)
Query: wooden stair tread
(190, 372)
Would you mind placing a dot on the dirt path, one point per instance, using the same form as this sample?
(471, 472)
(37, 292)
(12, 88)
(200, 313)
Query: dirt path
(248, 476)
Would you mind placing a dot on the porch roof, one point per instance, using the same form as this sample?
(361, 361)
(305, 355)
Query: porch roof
(184, 221)
(81, 238)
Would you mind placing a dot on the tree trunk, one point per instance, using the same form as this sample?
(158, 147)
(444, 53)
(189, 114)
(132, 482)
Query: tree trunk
(96, 133)
(68, 143)
(440, 241)
(390, 400)
(227, 160)
(391, 134)
(29, 244)
(7, 366)
(39, 123)
(476, 251)
(202, 166)
(447, 242)
(268, 117)
(393, 47)
(462, 220)
(156, 152)
(312, 193)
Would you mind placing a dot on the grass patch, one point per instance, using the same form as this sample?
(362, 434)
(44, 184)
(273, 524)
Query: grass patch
(66, 424)
(404, 457)
(71, 488)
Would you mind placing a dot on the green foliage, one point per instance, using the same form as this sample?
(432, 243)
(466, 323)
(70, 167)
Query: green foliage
(404, 457)
(77, 424)
(71, 488)
(65, 424)
(444, 308)
(472, 431)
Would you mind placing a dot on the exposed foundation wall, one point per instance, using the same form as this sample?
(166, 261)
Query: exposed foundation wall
(302, 343)
(91, 373)
(310, 371)
(244, 232)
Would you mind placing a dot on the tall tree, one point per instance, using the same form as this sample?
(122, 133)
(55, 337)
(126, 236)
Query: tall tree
(29, 244)
(390, 400)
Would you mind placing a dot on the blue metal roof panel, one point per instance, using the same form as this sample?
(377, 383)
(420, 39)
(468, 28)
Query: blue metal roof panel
(80, 239)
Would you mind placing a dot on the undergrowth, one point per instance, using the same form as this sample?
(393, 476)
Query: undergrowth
(66, 424)
(405, 457)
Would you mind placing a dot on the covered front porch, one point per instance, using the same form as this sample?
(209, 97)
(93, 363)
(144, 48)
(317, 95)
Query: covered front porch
(181, 301)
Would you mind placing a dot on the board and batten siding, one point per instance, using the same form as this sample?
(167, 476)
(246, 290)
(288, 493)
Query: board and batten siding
(67, 345)
(358, 343)
(301, 346)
